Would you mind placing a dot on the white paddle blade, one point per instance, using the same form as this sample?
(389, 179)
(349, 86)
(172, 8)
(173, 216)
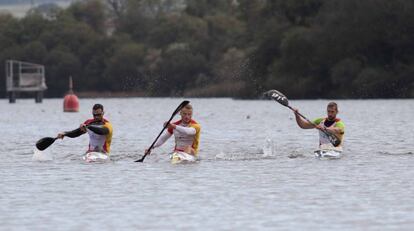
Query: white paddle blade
(277, 96)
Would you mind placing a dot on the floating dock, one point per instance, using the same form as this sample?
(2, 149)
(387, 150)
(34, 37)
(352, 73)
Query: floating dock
(25, 77)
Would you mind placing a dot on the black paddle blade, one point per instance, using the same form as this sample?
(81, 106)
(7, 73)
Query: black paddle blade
(143, 157)
(140, 160)
(182, 104)
(44, 143)
(277, 96)
(335, 141)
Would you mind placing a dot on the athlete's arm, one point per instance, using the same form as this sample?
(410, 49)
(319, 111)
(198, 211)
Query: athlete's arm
(164, 137)
(333, 130)
(186, 130)
(74, 133)
(338, 129)
(100, 130)
(302, 123)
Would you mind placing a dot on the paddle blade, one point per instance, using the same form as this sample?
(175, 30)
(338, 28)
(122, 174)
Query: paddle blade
(44, 143)
(182, 104)
(335, 141)
(140, 160)
(277, 96)
(143, 157)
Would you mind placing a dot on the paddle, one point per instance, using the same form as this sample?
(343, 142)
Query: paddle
(45, 142)
(282, 99)
(183, 104)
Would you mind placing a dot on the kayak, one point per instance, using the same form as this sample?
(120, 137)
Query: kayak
(182, 157)
(95, 157)
(329, 154)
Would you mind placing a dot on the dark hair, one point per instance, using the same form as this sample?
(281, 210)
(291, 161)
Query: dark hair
(330, 105)
(98, 106)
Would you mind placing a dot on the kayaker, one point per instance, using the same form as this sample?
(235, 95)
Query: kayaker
(186, 132)
(99, 130)
(331, 124)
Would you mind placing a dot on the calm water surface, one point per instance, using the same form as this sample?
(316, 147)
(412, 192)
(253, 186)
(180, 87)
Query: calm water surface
(257, 170)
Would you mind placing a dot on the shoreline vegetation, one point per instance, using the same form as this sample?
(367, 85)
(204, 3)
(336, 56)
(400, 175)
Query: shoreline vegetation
(239, 49)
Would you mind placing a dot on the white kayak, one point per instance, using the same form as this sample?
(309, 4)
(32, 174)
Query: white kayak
(329, 154)
(182, 157)
(95, 157)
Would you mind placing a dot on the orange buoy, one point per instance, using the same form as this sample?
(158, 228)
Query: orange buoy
(71, 101)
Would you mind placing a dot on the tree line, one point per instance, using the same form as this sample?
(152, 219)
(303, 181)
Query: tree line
(219, 48)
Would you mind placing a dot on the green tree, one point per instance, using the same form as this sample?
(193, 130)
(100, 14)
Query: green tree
(62, 63)
(177, 71)
(202, 8)
(124, 69)
(91, 12)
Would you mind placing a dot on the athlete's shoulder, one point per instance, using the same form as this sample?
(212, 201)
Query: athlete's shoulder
(108, 124)
(195, 125)
(178, 122)
(339, 122)
(194, 122)
(318, 120)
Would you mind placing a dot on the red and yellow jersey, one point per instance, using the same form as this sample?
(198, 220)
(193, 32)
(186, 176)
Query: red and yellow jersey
(185, 137)
(99, 142)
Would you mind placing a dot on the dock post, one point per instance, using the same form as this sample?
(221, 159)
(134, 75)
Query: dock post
(39, 97)
(12, 97)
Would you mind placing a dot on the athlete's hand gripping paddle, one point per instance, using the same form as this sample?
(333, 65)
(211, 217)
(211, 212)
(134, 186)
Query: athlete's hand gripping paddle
(282, 99)
(148, 151)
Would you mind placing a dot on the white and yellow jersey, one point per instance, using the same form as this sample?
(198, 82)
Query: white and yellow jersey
(100, 142)
(185, 135)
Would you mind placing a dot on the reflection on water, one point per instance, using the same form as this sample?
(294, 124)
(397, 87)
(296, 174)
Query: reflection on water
(257, 169)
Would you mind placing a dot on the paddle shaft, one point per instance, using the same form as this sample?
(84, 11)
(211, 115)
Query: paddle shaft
(155, 141)
(184, 103)
(301, 115)
(310, 122)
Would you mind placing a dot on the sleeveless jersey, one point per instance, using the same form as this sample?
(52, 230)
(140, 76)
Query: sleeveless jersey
(324, 142)
(101, 143)
(183, 139)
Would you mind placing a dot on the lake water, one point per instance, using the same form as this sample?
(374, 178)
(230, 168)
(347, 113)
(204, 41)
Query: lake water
(257, 170)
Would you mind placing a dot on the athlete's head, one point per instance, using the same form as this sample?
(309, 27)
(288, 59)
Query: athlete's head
(186, 113)
(332, 110)
(98, 112)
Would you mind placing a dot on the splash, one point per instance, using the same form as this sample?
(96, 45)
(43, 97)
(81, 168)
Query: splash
(42, 155)
(268, 148)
